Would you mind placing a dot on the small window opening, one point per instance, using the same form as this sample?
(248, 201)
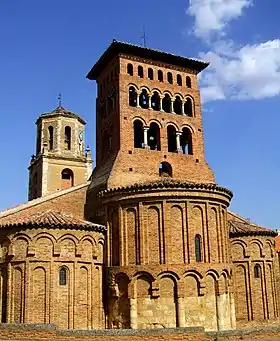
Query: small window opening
(132, 97)
(177, 105)
(144, 99)
(188, 110)
(150, 74)
(160, 76)
(112, 101)
(179, 80)
(62, 276)
(186, 141)
(155, 101)
(197, 242)
(188, 82)
(154, 137)
(257, 271)
(50, 131)
(171, 135)
(67, 179)
(138, 134)
(166, 103)
(165, 170)
(140, 71)
(169, 78)
(67, 138)
(130, 69)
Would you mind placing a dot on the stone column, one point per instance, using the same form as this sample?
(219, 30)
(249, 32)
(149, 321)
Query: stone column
(150, 103)
(183, 108)
(137, 100)
(178, 142)
(232, 310)
(172, 106)
(160, 103)
(133, 313)
(181, 312)
(220, 311)
(146, 136)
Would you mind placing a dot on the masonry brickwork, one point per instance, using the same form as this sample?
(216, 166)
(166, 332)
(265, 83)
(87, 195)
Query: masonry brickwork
(151, 244)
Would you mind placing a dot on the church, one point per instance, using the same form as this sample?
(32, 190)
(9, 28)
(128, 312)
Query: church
(145, 240)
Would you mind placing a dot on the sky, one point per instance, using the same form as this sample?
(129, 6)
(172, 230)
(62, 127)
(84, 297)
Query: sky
(48, 46)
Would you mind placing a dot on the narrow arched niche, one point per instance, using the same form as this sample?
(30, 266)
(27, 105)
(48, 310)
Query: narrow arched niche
(165, 170)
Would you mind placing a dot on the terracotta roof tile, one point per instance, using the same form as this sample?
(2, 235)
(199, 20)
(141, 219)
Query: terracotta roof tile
(239, 226)
(51, 219)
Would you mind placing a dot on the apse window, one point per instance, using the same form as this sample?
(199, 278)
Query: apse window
(257, 271)
(62, 276)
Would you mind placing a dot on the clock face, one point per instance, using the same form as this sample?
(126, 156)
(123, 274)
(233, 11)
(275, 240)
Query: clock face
(81, 135)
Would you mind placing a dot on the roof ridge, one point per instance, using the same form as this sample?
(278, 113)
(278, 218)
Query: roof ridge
(34, 202)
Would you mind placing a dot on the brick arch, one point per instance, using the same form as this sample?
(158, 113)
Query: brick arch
(169, 273)
(236, 246)
(194, 273)
(144, 87)
(156, 90)
(44, 234)
(135, 118)
(133, 85)
(214, 273)
(167, 92)
(188, 126)
(170, 123)
(154, 120)
(179, 95)
(21, 235)
(68, 236)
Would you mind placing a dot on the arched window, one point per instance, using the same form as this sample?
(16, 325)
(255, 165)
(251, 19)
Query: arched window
(111, 103)
(130, 69)
(50, 131)
(62, 276)
(39, 140)
(150, 73)
(171, 135)
(188, 82)
(144, 99)
(169, 78)
(67, 138)
(186, 141)
(165, 170)
(257, 271)
(140, 71)
(179, 80)
(160, 76)
(197, 246)
(177, 105)
(166, 103)
(138, 134)
(67, 178)
(155, 101)
(132, 97)
(188, 110)
(154, 137)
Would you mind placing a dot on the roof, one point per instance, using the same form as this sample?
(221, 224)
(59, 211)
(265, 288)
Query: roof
(38, 201)
(277, 243)
(239, 226)
(52, 219)
(60, 111)
(117, 47)
(167, 184)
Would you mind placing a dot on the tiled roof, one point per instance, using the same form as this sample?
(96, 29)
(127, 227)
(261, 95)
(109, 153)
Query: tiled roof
(51, 219)
(239, 226)
(118, 47)
(63, 112)
(167, 184)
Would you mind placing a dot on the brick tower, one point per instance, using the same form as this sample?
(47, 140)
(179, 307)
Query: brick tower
(168, 259)
(60, 161)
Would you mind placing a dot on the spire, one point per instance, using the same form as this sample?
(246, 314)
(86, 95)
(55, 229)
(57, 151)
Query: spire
(144, 37)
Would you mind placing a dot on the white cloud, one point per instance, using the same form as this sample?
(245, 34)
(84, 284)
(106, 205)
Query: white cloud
(247, 72)
(212, 16)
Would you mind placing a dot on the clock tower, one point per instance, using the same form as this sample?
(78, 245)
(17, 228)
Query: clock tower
(61, 160)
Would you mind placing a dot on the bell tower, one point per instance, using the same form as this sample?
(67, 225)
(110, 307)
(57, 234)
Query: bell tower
(148, 117)
(60, 161)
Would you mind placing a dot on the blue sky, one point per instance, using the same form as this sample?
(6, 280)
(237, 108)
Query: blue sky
(48, 46)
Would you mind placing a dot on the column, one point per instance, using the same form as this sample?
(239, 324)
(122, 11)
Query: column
(220, 311)
(160, 103)
(133, 313)
(150, 103)
(137, 100)
(183, 108)
(232, 310)
(181, 312)
(146, 136)
(178, 142)
(172, 106)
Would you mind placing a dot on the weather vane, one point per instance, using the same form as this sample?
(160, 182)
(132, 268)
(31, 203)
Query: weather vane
(144, 37)
(59, 100)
